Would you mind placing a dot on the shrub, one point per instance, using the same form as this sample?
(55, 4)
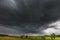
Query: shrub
(22, 36)
(26, 36)
(43, 38)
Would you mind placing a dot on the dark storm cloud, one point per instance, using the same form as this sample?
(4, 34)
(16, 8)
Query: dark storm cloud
(34, 12)
(40, 12)
(29, 15)
(37, 12)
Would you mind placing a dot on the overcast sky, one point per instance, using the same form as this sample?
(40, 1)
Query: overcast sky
(36, 17)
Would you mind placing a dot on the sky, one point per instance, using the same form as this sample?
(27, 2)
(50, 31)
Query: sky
(54, 29)
(37, 17)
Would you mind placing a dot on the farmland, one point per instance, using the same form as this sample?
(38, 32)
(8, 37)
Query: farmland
(24, 38)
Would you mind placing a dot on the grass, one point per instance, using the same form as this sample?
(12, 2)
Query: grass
(29, 38)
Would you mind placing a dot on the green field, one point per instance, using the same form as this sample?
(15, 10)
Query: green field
(24, 38)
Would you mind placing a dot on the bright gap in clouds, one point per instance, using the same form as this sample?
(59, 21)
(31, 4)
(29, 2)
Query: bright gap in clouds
(12, 3)
(8, 3)
(55, 29)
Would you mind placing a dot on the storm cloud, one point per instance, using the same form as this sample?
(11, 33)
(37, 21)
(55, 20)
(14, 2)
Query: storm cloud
(29, 16)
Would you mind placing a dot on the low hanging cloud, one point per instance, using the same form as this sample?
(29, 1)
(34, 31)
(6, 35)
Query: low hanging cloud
(6, 30)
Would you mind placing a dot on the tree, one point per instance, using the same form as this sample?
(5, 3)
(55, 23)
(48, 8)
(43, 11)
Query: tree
(22, 36)
(53, 36)
(26, 36)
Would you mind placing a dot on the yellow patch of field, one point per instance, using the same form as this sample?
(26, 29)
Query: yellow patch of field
(9, 38)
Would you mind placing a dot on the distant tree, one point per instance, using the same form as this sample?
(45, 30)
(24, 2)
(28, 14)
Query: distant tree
(43, 38)
(22, 36)
(58, 35)
(53, 36)
(26, 36)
